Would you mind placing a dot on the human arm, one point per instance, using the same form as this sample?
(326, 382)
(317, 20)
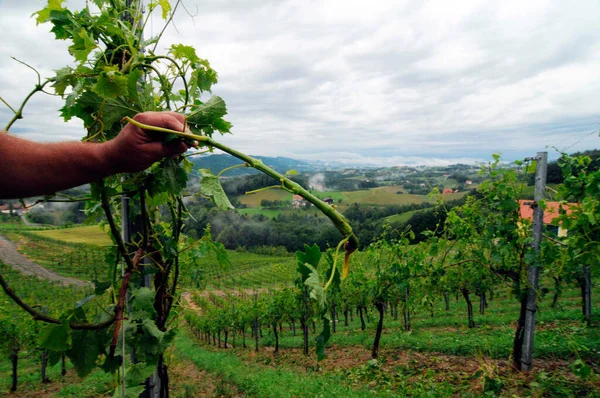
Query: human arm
(30, 168)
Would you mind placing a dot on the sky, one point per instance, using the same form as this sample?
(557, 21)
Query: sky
(384, 83)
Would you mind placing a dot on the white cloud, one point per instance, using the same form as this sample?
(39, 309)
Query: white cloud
(384, 81)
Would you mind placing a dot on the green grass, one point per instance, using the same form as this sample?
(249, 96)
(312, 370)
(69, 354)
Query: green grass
(77, 260)
(263, 381)
(384, 196)
(528, 191)
(254, 199)
(270, 213)
(335, 195)
(249, 271)
(97, 384)
(89, 234)
(402, 217)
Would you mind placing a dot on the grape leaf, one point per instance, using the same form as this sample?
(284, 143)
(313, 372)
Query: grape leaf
(111, 83)
(317, 293)
(322, 339)
(137, 373)
(211, 186)
(142, 299)
(55, 337)
(83, 45)
(169, 177)
(44, 14)
(85, 349)
(207, 117)
(166, 8)
(63, 79)
(312, 256)
(180, 51)
(112, 110)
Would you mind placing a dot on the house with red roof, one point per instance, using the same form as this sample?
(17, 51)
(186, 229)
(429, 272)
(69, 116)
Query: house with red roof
(551, 212)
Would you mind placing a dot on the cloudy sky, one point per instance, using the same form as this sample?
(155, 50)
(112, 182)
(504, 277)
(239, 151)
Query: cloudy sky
(379, 82)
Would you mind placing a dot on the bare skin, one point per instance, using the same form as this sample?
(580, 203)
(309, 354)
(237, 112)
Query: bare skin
(30, 169)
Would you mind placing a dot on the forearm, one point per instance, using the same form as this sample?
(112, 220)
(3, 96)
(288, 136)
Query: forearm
(28, 168)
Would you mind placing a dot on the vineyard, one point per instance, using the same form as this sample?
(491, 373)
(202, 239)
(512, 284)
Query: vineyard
(497, 297)
(249, 316)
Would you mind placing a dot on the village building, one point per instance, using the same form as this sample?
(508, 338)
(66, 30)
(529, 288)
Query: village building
(298, 201)
(551, 213)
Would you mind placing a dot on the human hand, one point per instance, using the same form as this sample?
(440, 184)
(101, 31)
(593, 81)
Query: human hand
(135, 149)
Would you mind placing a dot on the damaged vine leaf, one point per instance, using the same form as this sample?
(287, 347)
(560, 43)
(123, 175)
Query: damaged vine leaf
(308, 262)
(211, 186)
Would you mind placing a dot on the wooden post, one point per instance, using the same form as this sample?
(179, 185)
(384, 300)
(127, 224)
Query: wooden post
(533, 270)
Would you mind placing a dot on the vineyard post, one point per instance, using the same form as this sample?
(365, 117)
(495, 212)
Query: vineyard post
(533, 269)
(44, 361)
(255, 324)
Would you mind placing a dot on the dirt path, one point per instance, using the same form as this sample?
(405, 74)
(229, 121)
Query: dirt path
(10, 256)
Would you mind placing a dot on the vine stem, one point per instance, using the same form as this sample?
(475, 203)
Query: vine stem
(38, 316)
(8, 105)
(335, 260)
(120, 307)
(19, 113)
(267, 188)
(235, 166)
(338, 220)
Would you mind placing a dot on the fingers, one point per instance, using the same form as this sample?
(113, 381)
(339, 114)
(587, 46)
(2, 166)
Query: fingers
(169, 120)
(174, 148)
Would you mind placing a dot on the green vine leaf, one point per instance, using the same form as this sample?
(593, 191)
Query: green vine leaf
(64, 78)
(207, 117)
(323, 338)
(169, 177)
(311, 256)
(317, 293)
(211, 186)
(183, 52)
(85, 348)
(165, 7)
(44, 14)
(111, 83)
(55, 337)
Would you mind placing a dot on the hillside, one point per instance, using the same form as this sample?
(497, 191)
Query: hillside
(217, 163)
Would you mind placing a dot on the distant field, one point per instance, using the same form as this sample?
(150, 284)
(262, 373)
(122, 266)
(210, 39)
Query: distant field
(271, 213)
(254, 199)
(384, 196)
(402, 217)
(335, 195)
(528, 191)
(90, 234)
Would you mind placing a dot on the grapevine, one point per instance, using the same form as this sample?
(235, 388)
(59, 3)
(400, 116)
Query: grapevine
(114, 79)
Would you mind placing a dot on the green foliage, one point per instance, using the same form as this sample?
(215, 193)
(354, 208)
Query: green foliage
(210, 186)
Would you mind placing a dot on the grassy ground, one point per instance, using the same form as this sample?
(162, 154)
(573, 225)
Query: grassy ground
(89, 234)
(254, 199)
(263, 381)
(270, 213)
(386, 195)
(401, 218)
(441, 356)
